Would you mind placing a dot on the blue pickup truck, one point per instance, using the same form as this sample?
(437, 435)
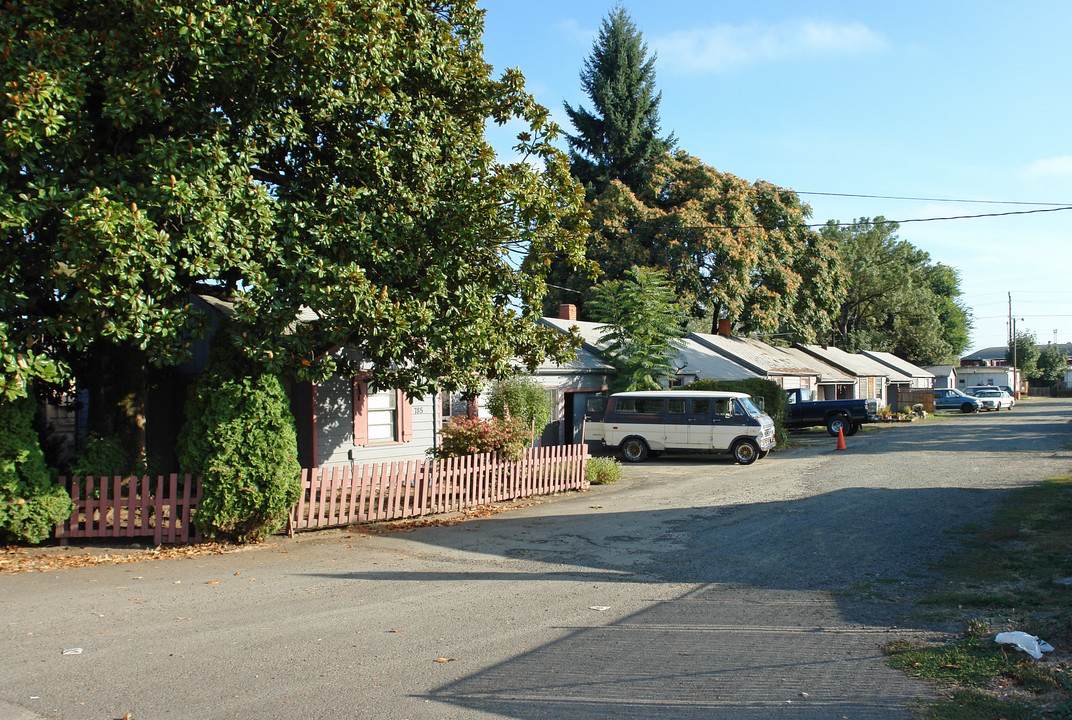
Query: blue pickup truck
(844, 415)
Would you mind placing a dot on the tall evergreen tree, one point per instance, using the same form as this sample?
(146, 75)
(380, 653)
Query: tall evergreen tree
(620, 136)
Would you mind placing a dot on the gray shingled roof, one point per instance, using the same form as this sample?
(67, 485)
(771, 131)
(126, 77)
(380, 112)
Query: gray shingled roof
(754, 354)
(698, 360)
(854, 363)
(701, 361)
(827, 373)
(899, 364)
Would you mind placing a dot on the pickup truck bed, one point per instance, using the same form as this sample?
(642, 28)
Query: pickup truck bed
(836, 415)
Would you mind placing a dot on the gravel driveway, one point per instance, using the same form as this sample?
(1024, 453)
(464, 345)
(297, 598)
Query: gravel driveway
(693, 588)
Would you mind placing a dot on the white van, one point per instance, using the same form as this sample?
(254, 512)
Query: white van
(647, 423)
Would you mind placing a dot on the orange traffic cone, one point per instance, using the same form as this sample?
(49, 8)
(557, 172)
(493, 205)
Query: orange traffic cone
(840, 439)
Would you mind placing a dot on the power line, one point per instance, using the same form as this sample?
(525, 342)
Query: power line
(859, 223)
(926, 199)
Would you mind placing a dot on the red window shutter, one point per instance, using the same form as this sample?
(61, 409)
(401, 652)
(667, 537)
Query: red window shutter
(405, 417)
(360, 412)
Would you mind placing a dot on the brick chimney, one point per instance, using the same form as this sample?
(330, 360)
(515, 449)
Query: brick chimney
(724, 328)
(567, 312)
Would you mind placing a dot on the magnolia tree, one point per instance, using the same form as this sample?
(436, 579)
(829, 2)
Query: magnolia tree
(315, 158)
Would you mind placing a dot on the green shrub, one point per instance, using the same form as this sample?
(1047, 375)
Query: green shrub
(239, 437)
(104, 457)
(602, 471)
(31, 505)
(463, 435)
(521, 398)
(772, 393)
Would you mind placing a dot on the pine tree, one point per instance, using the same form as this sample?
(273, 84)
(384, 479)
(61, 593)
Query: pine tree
(620, 136)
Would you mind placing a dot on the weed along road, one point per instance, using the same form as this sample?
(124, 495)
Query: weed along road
(693, 588)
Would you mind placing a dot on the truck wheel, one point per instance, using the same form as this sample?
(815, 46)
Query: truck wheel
(853, 429)
(837, 422)
(634, 449)
(745, 451)
(967, 408)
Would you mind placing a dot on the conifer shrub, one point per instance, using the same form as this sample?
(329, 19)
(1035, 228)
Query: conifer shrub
(31, 505)
(239, 437)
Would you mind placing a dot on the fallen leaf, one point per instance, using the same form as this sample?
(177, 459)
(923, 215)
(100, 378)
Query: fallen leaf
(214, 582)
(444, 660)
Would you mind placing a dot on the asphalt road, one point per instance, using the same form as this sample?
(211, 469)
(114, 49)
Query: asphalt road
(693, 588)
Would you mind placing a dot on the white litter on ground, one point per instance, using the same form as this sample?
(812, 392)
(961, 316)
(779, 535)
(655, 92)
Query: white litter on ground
(1022, 641)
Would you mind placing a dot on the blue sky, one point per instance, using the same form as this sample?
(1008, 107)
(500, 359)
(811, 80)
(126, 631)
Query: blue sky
(943, 100)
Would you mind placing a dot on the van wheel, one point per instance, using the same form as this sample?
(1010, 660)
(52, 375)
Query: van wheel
(837, 422)
(634, 449)
(745, 452)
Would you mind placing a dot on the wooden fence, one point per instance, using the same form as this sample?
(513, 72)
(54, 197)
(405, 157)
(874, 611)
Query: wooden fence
(391, 491)
(907, 398)
(119, 507)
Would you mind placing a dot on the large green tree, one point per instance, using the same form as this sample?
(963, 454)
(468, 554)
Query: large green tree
(1023, 352)
(730, 248)
(897, 299)
(643, 327)
(619, 136)
(1051, 365)
(321, 158)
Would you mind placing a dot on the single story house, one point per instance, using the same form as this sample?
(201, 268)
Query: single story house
(343, 421)
(872, 377)
(761, 359)
(919, 378)
(834, 384)
(945, 376)
(987, 375)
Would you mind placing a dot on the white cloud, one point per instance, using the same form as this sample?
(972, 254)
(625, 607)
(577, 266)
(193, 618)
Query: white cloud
(572, 30)
(724, 48)
(1060, 166)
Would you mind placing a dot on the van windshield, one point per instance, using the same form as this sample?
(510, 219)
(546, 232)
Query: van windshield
(750, 407)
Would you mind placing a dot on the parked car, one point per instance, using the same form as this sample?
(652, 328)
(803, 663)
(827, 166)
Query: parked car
(803, 410)
(644, 424)
(993, 397)
(953, 399)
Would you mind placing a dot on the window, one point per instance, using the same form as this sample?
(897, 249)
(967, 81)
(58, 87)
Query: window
(640, 405)
(675, 406)
(701, 406)
(382, 416)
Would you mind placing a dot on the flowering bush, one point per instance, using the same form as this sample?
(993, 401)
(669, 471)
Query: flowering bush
(506, 437)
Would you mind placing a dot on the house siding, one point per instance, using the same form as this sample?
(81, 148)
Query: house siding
(335, 428)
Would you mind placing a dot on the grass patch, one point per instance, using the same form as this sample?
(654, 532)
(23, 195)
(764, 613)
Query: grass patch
(1004, 579)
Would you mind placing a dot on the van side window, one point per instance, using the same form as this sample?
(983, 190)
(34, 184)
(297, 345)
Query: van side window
(675, 406)
(724, 407)
(640, 405)
(700, 406)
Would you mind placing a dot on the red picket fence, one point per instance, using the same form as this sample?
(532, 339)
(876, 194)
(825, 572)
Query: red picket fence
(128, 507)
(119, 507)
(345, 495)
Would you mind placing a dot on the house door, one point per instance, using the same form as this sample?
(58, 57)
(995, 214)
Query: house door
(573, 416)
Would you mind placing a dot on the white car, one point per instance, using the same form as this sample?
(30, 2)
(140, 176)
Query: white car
(993, 398)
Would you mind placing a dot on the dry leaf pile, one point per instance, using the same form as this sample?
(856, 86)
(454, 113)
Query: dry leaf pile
(14, 559)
